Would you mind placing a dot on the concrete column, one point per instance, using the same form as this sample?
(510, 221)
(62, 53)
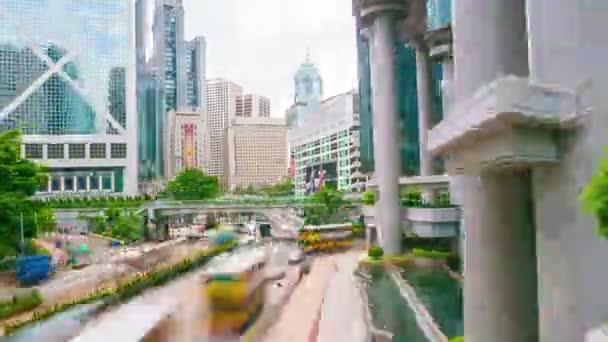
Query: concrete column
(386, 129)
(88, 179)
(50, 184)
(500, 290)
(100, 183)
(425, 115)
(74, 183)
(112, 182)
(61, 183)
(568, 48)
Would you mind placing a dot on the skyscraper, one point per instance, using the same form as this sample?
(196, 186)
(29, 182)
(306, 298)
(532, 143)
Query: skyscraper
(221, 110)
(196, 74)
(252, 105)
(67, 81)
(169, 51)
(308, 93)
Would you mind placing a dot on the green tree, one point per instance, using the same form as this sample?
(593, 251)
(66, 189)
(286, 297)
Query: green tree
(193, 184)
(594, 197)
(20, 180)
(128, 226)
(323, 206)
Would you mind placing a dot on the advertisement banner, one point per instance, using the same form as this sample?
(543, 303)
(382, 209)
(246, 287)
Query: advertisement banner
(189, 147)
(319, 175)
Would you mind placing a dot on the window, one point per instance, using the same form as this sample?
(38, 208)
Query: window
(98, 151)
(118, 151)
(33, 151)
(76, 151)
(54, 151)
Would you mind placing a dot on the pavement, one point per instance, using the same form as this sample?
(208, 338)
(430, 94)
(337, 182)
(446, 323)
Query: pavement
(299, 315)
(342, 312)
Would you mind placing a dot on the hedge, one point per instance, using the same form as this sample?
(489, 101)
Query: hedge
(129, 290)
(20, 304)
(424, 253)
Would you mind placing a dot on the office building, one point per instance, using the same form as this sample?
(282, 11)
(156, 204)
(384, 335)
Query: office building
(67, 81)
(221, 110)
(326, 148)
(255, 152)
(251, 106)
(187, 142)
(170, 52)
(308, 86)
(196, 73)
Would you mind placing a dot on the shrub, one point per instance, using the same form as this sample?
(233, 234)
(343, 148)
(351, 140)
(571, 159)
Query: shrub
(20, 304)
(129, 290)
(424, 253)
(457, 339)
(357, 229)
(368, 198)
(375, 252)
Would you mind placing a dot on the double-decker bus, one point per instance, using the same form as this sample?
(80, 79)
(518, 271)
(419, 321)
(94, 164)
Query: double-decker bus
(235, 290)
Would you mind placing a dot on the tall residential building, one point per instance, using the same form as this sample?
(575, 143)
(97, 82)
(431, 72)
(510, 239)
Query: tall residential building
(255, 152)
(187, 142)
(221, 110)
(196, 73)
(252, 105)
(325, 150)
(67, 80)
(308, 93)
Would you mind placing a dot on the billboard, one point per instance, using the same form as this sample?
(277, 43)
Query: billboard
(319, 175)
(189, 148)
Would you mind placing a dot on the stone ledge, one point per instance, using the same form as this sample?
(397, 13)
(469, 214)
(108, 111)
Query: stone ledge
(434, 215)
(503, 104)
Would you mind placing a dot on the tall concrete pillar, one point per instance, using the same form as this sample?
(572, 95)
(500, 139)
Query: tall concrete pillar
(568, 47)
(380, 17)
(425, 115)
(500, 288)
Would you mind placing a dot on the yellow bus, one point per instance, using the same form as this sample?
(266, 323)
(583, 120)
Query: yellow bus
(235, 291)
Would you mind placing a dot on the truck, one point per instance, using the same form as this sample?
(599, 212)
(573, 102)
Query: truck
(33, 269)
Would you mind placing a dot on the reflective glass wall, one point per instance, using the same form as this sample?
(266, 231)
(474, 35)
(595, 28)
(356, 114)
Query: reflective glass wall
(62, 65)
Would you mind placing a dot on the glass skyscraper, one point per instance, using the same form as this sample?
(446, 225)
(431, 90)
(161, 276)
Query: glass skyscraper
(405, 72)
(67, 81)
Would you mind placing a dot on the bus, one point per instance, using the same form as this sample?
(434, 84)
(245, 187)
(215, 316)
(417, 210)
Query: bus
(235, 291)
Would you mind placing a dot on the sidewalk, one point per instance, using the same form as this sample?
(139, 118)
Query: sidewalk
(300, 314)
(342, 313)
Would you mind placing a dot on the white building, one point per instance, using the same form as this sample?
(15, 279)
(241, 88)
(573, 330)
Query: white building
(255, 151)
(327, 146)
(187, 142)
(67, 81)
(252, 105)
(221, 110)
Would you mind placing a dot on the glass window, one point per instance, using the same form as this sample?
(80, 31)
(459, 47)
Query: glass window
(76, 151)
(33, 151)
(55, 151)
(97, 151)
(118, 151)
(68, 182)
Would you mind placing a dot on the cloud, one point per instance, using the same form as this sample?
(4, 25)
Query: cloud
(260, 43)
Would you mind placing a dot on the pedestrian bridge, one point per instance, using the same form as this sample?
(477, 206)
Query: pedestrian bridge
(170, 208)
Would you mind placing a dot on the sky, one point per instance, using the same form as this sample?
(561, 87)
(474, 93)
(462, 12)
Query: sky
(260, 44)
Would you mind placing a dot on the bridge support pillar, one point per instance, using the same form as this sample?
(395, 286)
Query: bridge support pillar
(500, 290)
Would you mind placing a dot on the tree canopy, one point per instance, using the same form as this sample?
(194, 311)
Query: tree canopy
(20, 180)
(595, 197)
(193, 184)
(325, 206)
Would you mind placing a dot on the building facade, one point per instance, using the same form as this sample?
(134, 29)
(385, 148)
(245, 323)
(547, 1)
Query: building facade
(326, 148)
(187, 142)
(196, 73)
(69, 86)
(255, 152)
(251, 106)
(308, 86)
(221, 110)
